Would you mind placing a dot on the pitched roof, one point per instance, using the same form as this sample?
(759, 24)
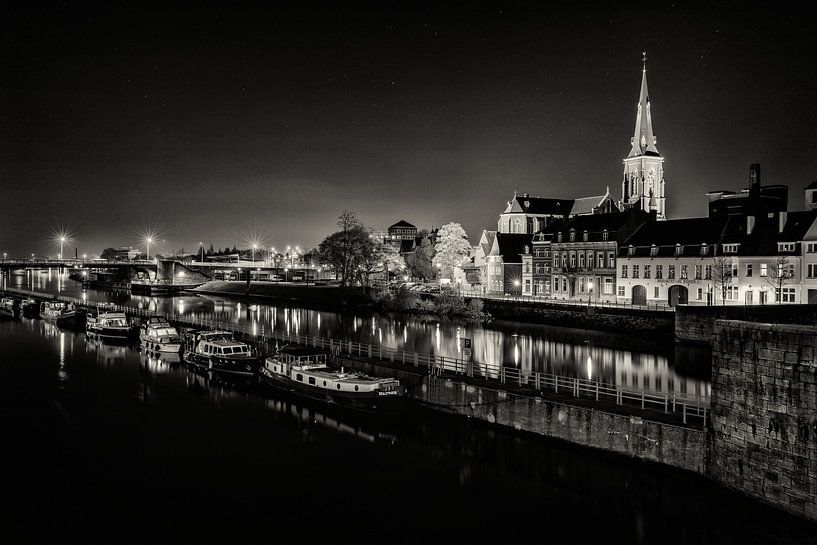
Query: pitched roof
(402, 224)
(525, 204)
(511, 246)
(596, 224)
(690, 233)
(797, 225)
(812, 185)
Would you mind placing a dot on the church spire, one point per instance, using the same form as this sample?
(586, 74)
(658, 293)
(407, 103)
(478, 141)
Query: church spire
(643, 141)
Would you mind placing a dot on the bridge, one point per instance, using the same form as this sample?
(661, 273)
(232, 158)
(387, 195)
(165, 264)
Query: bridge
(71, 263)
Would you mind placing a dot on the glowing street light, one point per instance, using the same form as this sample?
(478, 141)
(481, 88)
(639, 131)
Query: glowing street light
(254, 248)
(148, 242)
(63, 239)
(589, 291)
(201, 248)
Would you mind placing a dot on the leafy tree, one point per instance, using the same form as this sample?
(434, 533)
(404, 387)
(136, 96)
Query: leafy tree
(452, 248)
(108, 253)
(421, 262)
(344, 249)
(210, 249)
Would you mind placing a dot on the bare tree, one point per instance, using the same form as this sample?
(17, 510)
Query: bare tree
(722, 275)
(780, 273)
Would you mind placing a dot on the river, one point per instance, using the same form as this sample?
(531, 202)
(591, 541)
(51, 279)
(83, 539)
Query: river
(105, 444)
(636, 361)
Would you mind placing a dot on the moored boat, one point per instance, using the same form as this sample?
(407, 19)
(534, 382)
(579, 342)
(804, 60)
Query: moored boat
(217, 351)
(60, 313)
(29, 308)
(111, 325)
(10, 307)
(158, 335)
(305, 371)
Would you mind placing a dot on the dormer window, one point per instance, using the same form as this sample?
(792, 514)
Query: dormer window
(559, 237)
(604, 235)
(631, 250)
(730, 248)
(584, 236)
(785, 246)
(653, 250)
(704, 249)
(572, 235)
(679, 249)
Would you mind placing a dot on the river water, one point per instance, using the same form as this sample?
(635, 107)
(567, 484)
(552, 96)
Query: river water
(636, 361)
(103, 444)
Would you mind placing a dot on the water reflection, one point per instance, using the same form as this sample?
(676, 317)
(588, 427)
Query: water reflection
(630, 362)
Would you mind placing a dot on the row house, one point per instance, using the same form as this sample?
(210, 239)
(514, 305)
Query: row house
(499, 259)
(583, 253)
(537, 264)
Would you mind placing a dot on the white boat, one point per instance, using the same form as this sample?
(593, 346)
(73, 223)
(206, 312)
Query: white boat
(305, 371)
(158, 335)
(62, 314)
(110, 325)
(218, 351)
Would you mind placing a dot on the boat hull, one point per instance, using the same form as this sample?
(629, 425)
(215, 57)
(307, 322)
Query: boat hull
(157, 346)
(240, 366)
(373, 402)
(68, 319)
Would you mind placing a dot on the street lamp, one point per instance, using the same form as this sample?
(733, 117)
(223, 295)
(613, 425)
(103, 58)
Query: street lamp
(148, 242)
(589, 292)
(63, 240)
(254, 248)
(286, 271)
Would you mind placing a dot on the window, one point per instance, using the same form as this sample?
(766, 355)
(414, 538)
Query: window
(581, 260)
(684, 274)
(311, 380)
(700, 294)
(785, 246)
(299, 377)
(812, 270)
(559, 237)
(764, 270)
(811, 247)
(653, 250)
(732, 293)
(608, 286)
(631, 250)
(671, 272)
(646, 271)
(787, 295)
(624, 271)
(564, 259)
(556, 261)
(704, 249)
(659, 272)
(657, 291)
(604, 235)
(611, 260)
(635, 271)
(735, 270)
(527, 286)
(698, 272)
(621, 291)
(679, 249)
(708, 272)
(584, 236)
(590, 259)
(600, 260)
(581, 284)
(572, 235)
(748, 270)
(572, 260)
(730, 248)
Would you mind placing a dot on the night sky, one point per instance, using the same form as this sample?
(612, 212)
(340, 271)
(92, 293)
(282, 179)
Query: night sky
(214, 122)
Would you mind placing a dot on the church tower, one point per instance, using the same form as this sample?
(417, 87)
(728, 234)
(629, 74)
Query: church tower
(642, 186)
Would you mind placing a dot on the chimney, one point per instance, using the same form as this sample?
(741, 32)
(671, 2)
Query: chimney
(754, 181)
(782, 221)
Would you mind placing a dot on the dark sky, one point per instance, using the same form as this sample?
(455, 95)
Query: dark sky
(214, 122)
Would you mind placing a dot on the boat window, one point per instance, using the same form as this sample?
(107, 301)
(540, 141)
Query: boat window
(324, 383)
(299, 377)
(338, 386)
(356, 388)
(311, 380)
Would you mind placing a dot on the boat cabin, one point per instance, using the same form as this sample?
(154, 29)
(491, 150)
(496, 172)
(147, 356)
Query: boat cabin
(301, 357)
(222, 348)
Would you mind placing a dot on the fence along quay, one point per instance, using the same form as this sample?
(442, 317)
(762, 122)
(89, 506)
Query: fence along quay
(691, 411)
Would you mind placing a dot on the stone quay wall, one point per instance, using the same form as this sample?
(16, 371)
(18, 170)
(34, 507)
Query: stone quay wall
(583, 317)
(696, 324)
(764, 413)
(676, 446)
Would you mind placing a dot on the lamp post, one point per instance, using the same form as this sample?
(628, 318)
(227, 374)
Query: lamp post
(148, 242)
(63, 240)
(254, 248)
(286, 272)
(201, 249)
(589, 292)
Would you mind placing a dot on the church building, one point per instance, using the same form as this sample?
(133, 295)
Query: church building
(642, 186)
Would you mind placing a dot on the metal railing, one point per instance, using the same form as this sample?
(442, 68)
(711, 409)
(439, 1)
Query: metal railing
(579, 301)
(687, 408)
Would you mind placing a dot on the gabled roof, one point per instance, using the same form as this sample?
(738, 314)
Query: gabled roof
(402, 224)
(797, 225)
(511, 246)
(812, 185)
(525, 204)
